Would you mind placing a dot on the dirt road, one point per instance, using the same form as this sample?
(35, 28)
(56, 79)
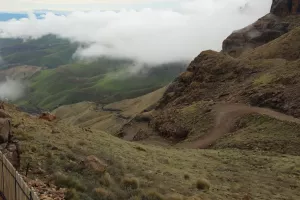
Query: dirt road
(226, 117)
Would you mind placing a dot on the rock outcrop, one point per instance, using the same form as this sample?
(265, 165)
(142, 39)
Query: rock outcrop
(5, 130)
(261, 32)
(12, 152)
(47, 116)
(1, 105)
(94, 163)
(8, 145)
(264, 30)
(283, 8)
(280, 7)
(46, 191)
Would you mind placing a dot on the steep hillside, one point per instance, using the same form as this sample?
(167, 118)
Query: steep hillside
(110, 117)
(48, 51)
(19, 72)
(61, 154)
(65, 80)
(267, 76)
(252, 71)
(104, 81)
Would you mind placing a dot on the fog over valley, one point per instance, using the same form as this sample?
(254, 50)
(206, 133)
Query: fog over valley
(147, 35)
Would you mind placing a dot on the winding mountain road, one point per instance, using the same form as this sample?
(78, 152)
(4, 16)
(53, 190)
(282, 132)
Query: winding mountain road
(226, 117)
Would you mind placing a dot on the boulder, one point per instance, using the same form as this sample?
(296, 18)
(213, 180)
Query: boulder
(47, 116)
(2, 105)
(260, 32)
(143, 117)
(280, 7)
(283, 8)
(3, 114)
(12, 153)
(5, 130)
(95, 164)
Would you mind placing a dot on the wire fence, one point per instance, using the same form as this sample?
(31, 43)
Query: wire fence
(12, 185)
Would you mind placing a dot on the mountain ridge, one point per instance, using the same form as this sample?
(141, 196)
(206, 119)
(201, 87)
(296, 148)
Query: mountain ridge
(250, 98)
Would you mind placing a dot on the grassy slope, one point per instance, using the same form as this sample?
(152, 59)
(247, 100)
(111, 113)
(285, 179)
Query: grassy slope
(268, 77)
(88, 114)
(70, 81)
(48, 51)
(103, 81)
(232, 173)
(19, 72)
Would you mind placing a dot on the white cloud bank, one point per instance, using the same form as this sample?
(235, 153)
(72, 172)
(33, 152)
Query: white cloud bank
(11, 89)
(148, 35)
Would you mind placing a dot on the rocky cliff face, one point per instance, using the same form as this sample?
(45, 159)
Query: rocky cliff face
(261, 32)
(264, 30)
(280, 8)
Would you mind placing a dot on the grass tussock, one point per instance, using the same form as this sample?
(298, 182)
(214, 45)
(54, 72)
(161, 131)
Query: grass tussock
(130, 183)
(72, 194)
(103, 194)
(202, 184)
(186, 177)
(107, 180)
(62, 180)
(263, 80)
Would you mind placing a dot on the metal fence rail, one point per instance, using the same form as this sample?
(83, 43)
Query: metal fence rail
(12, 185)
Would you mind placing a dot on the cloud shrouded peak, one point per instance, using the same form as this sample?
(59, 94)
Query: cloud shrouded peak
(146, 35)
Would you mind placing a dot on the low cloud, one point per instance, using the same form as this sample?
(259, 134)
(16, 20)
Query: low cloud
(11, 89)
(148, 36)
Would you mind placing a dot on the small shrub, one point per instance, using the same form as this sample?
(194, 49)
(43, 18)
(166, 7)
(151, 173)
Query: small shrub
(85, 196)
(22, 136)
(264, 79)
(135, 198)
(140, 148)
(71, 194)
(49, 155)
(152, 195)
(106, 179)
(202, 184)
(130, 183)
(70, 156)
(33, 149)
(186, 177)
(81, 143)
(67, 182)
(103, 194)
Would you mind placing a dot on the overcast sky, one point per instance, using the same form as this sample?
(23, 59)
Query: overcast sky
(67, 5)
(160, 31)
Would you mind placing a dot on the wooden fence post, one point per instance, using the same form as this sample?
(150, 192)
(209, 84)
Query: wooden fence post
(13, 187)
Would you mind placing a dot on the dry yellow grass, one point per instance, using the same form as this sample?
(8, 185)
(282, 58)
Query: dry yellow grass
(232, 173)
(88, 114)
(19, 72)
